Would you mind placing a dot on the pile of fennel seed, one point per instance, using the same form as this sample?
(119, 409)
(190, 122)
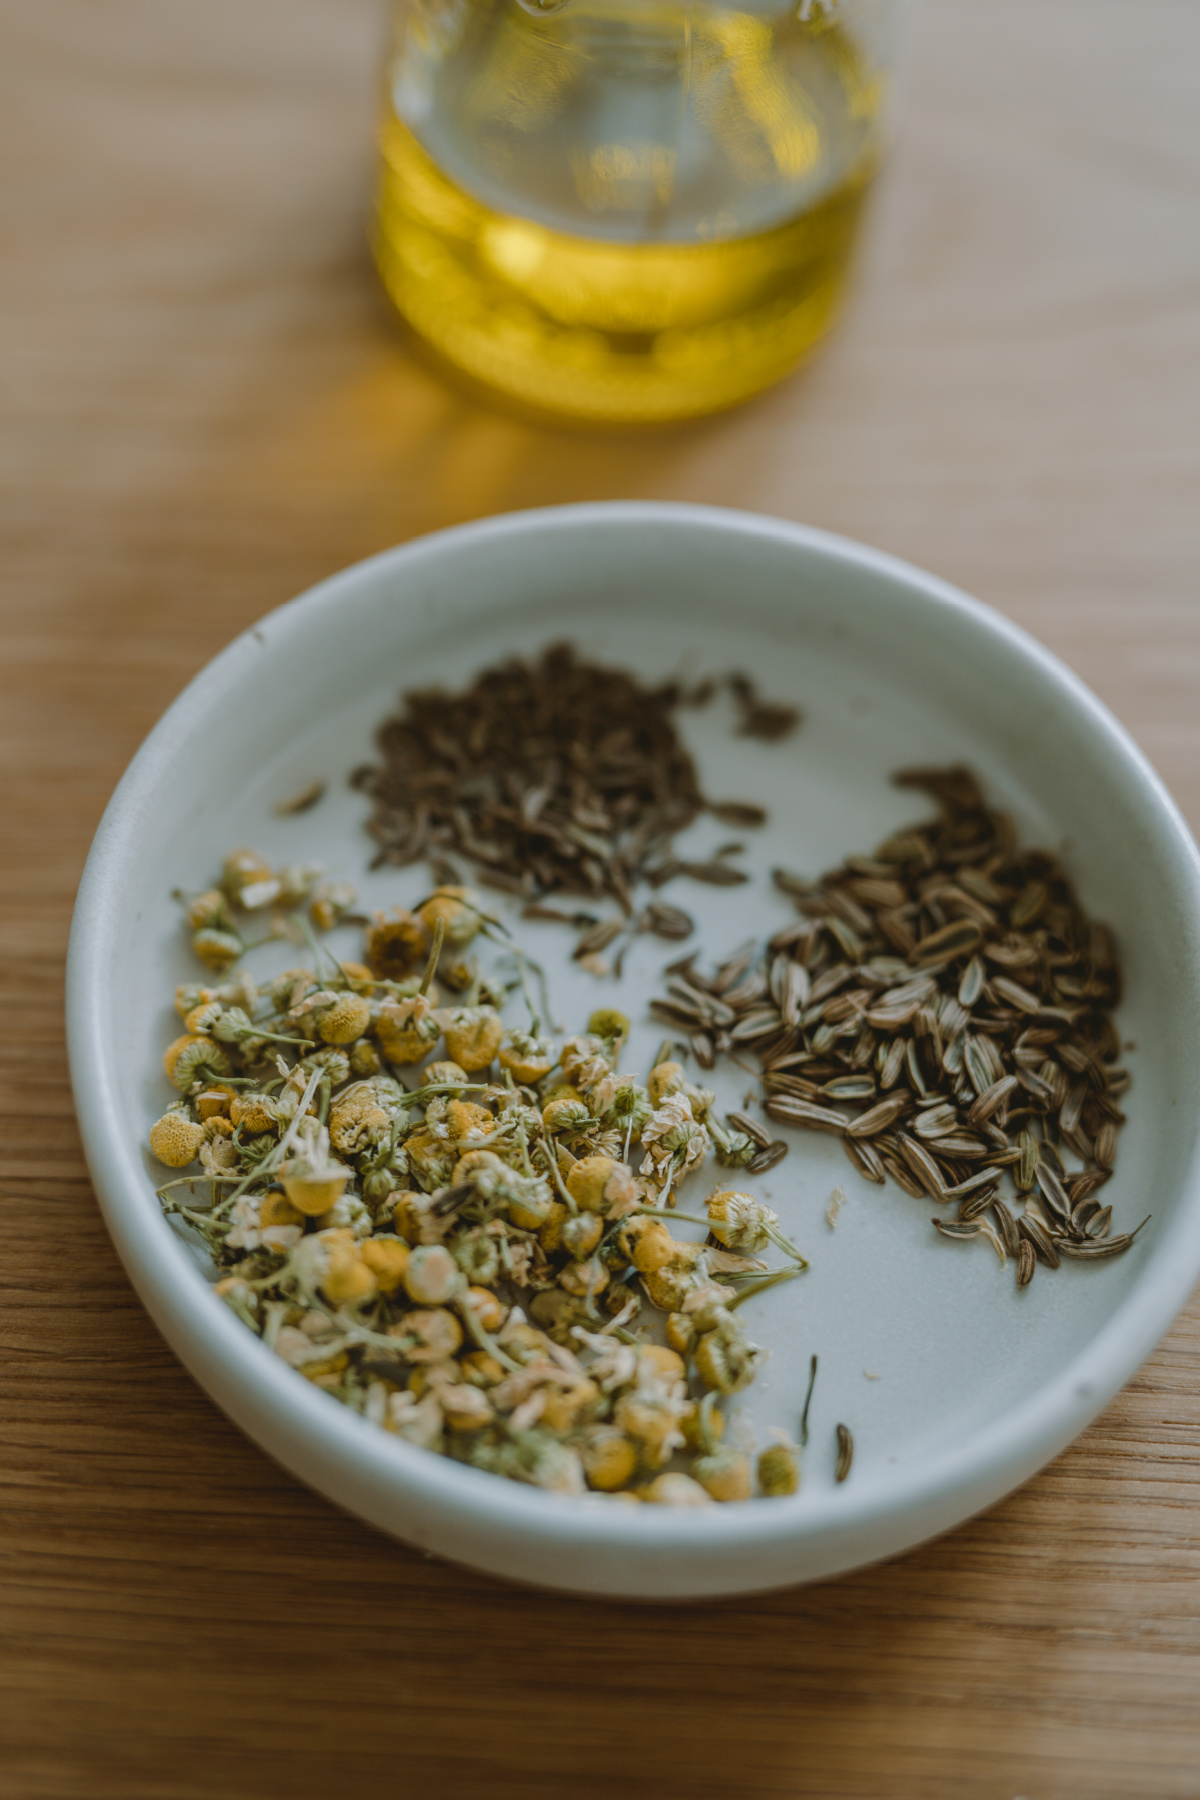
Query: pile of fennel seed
(435, 1216)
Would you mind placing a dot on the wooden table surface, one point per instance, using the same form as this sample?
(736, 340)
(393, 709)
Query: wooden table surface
(206, 408)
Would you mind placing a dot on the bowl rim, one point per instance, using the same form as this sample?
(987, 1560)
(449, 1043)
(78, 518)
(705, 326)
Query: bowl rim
(307, 1429)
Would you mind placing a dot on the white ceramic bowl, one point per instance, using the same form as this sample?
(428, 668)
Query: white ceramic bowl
(956, 1386)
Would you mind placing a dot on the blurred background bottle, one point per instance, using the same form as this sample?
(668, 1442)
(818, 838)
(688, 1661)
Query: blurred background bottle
(629, 210)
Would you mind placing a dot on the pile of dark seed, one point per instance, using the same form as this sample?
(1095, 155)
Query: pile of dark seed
(945, 1008)
(552, 776)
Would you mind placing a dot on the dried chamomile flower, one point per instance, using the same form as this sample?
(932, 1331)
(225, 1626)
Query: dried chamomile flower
(481, 1369)
(295, 880)
(673, 1141)
(469, 1124)
(381, 1180)
(445, 1074)
(609, 1458)
(418, 1422)
(218, 1156)
(585, 1279)
(241, 1298)
(665, 1078)
(414, 1219)
(330, 902)
(460, 912)
(669, 1286)
(733, 1148)
(651, 1418)
(724, 1474)
(233, 1025)
(528, 1200)
(242, 867)
(703, 1425)
(364, 1058)
(610, 1026)
(566, 1116)
(217, 950)
(311, 1179)
(346, 1019)
(674, 1489)
(215, 1102)
(202, 1018)
(431, 1276)
(725, 1359)
(585, 1061)
(477, 1253)
(430, 1159)
(489, 1312)
(241, 991)
(621, 1100)
(357, 1121)
(647, 1244)
(599, 1184)
(175, 1139)
(779, 1468)
(681, 1332)
(257, 895)
(408, 1029)
(559, 1314)
(579, 1234)
(397, 945)
(205, 910)
(473, 1035)
(253, 1113)
(464, 1407)
(744, 1224)
(526, 1056)
(192, 994)
(657, 1362)
(192, 1059)
(347, 1213)
(430, 1335)
(287, 989)
(331, 1262)
(538, 1458)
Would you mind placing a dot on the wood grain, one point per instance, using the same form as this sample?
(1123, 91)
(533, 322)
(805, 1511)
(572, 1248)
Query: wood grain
(206, 407)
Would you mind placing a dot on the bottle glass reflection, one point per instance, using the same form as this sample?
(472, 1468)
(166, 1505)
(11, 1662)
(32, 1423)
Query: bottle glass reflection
(629, 209)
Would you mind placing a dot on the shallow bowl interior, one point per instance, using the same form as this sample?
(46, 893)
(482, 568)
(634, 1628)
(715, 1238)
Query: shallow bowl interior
(955, 1385)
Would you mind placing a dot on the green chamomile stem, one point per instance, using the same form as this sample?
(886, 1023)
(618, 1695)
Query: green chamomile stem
(202, 1221)
(767, 1281)
(655, 1212)
(439, 938)
(289, 1136)
(707, 1408)
(556, 1176)
(310, 938)
(483, 1338)
(191, 1180)
(418, 1096)
(535, 1023)
(782, 1243)
(274, 1037)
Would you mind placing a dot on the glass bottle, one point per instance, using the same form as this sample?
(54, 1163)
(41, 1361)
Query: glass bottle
(629, 210)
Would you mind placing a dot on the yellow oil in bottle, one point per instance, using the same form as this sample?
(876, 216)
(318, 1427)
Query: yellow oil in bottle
(622, 233)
